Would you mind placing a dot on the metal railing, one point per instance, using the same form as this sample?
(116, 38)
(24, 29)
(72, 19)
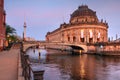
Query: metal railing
(28, 72)
(26, 66)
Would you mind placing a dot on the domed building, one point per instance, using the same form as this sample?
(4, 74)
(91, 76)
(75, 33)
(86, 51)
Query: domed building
(83, 27)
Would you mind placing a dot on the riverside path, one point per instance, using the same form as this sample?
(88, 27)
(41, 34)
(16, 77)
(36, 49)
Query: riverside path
(9, 64)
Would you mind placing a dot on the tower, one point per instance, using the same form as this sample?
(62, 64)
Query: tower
(2, 24)
(24, 33)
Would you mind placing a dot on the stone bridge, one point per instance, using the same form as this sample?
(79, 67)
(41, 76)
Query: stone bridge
(55, 45)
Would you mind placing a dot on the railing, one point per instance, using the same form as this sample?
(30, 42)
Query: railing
(28, 72)
(26, 66)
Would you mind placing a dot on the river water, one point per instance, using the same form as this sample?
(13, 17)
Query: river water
(61, 65)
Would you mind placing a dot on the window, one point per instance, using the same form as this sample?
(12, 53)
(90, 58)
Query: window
(68, 38)
(82, 39)
(74, 39)
(98, 34)
(90, 40)
(91, 34)
(82, 33)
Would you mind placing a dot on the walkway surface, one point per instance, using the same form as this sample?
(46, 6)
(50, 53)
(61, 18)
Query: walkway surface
(9, 64)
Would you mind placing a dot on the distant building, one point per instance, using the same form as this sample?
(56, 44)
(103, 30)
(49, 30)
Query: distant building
(29, 39)
(117, 40)
(2, 25)
(83, 27)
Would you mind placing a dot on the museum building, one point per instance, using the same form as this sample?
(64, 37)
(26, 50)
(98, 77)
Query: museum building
(83, 27)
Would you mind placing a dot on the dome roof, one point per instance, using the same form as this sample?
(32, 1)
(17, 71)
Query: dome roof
(83, 14)
(83, 11)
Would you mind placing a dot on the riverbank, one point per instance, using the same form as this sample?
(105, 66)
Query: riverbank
(9, 65)
(105, 53)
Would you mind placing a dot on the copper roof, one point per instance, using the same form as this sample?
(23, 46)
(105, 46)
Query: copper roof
(83, 11)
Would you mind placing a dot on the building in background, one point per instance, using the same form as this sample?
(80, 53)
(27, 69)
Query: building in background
(83, 27)
(2, 25)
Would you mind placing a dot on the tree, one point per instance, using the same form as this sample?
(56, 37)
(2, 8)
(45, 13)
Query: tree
(10, 35)
(10, 30)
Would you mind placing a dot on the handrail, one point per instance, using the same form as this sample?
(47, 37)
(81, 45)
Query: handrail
(27, 69)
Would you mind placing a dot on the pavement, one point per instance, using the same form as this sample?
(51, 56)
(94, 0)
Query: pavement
(9, 61)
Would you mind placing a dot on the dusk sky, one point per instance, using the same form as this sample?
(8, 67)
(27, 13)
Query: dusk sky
(42, 16)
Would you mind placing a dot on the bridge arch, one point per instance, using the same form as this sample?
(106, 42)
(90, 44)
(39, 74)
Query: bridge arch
(76, 47)
(79, 47)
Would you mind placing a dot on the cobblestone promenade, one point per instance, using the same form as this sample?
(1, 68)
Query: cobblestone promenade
(9, 64)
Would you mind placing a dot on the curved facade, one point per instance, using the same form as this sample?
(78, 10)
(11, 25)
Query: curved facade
(83, 27)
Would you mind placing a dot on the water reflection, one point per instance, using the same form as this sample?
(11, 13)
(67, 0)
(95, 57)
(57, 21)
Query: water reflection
(63, 66)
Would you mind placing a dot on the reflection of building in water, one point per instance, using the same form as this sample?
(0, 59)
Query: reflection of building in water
(84, 26)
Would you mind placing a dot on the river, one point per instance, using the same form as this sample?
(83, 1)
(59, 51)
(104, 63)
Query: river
(61, 65)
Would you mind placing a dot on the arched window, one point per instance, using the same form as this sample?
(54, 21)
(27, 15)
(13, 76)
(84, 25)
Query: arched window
(91, 33)
(91, 40)
(74, 39)
(82, 39)
(82, 33)
(98, 35)
(98, 39)
(68, 39)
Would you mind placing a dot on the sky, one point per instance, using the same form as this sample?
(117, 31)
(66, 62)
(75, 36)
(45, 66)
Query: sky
(43, 16)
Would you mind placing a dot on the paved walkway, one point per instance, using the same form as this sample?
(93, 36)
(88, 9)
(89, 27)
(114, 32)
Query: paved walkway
(9, 65)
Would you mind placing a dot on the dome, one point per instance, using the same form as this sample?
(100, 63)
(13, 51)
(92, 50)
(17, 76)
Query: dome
(83, 12)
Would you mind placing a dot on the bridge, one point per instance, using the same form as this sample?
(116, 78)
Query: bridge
(55, 45)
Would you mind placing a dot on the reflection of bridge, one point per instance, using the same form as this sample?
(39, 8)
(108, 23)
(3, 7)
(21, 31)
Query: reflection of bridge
(55, 45)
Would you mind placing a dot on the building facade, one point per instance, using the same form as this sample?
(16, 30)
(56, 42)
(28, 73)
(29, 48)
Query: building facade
(2, 24)
(83, 27)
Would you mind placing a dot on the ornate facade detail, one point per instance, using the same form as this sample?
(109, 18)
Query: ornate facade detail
(83, 27)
